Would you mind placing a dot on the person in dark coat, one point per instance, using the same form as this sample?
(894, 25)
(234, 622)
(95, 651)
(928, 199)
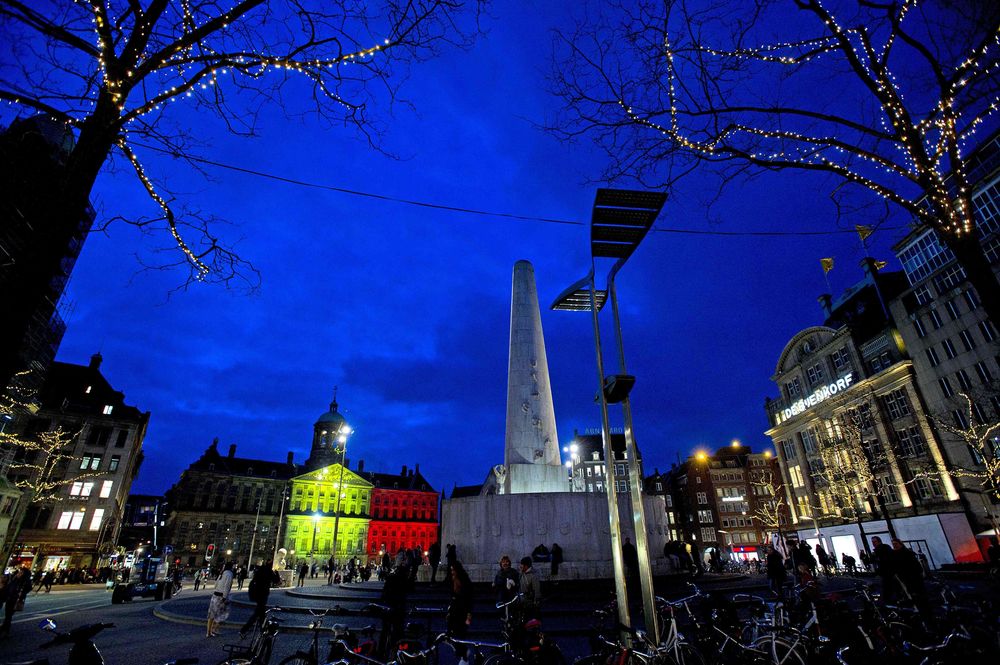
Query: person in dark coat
(776, 573)
(909, 572)
(303, 571)
(883, 560)
(260, 589)
(557, 558)
(507, 581)
(630, 557)
(459, 616)
(394, 594)
(17, 587)
(434, 558)
(451, 555)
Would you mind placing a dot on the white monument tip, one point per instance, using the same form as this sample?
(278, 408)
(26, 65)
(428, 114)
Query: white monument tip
(530, 439)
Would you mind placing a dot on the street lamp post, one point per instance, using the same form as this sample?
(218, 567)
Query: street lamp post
(575, 483)
(253, 538)
(316, 517)
(619, 221)
(342, 433)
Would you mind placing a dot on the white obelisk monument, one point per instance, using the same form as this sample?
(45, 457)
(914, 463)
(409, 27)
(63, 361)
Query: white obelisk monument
(531, 445)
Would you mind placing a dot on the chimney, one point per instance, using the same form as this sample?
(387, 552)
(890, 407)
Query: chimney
(411, 473)
(95, 361)
(416, 467)
(361, 465)
(232, 450)
(291, 456)
(826, 302)
(403, 472)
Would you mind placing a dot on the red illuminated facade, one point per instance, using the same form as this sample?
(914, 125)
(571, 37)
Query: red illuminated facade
(404, 512)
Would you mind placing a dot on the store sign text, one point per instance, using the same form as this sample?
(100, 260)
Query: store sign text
(818, 396)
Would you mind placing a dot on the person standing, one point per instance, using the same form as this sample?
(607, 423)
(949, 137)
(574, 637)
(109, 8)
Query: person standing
(17, 587)
(263, 579)
(241, 577)
(434, 556)
(330, 565)
(394, 593)
(909, 572)
(557, 558)
(776, 574)
(451, 555)
(459, 616)
(531, 591)
(824, 559)
(303, 571)
(882, 558)
(630, 557)
(506, 583)
(218, 607)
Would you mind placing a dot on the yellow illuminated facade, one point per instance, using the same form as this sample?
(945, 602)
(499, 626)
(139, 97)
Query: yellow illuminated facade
(316, 500)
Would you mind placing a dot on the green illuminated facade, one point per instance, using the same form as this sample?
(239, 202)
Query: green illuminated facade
(314, 508)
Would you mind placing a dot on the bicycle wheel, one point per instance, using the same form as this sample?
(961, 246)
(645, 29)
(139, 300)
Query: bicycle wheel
(299, 658)
(781, 651)
(686, 654)
(502, 659)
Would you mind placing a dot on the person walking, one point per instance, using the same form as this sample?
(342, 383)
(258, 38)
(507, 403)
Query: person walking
(451, 554)
(459, 616)
(218, 607)
(394, 593)
(850, 565)
(434, 558)
(824, 559)
(531, 591)
(557, 558)
(263, 579)
(241, 577)
(330, 566)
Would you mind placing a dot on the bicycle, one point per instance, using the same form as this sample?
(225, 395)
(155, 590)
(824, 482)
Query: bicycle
(258, 652)
(525, 640)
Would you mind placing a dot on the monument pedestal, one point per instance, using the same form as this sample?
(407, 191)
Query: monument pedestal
(484, 528)
(535, 478)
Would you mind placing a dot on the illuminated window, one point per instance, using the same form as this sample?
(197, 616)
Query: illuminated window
(702, 498)
(108, 409)
(81, 489)
(64, 520)
(796, 474)
(113, 464)
(76, 521)
(95, 521)
(106, 489)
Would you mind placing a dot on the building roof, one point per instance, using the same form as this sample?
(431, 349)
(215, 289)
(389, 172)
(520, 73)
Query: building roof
(410, 480)
(594, 443)
(83, 390)
(213, 462)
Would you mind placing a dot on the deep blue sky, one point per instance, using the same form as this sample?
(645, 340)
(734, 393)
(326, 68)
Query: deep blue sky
(406, 309)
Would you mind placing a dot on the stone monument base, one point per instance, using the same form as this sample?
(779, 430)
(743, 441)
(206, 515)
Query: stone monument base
(484, 528)
(536, 478)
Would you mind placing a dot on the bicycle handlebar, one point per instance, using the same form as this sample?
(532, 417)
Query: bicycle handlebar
(510, 602)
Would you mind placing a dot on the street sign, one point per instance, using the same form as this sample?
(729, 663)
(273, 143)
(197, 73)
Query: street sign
(168, 549)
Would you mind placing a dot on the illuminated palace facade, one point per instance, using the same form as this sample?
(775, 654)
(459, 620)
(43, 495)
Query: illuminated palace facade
(857, 448)
(331, 509)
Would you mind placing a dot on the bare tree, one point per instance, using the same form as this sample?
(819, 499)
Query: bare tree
(851, 468)
(770, 506)
(38, 464)
(883, 97)
(970, 424)
(111, 70)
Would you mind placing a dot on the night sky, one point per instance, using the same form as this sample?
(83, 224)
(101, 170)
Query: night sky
(406, 308)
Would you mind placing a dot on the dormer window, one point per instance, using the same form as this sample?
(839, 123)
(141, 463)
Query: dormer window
(274, 474)
(108, 409)
(86, 391)
(250, 471)
(211, 467)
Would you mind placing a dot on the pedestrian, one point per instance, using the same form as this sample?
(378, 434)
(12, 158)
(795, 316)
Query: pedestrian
(17, 586)
(434, 555)
(776, 574)
(303, 571)
(264, 578)
(630, 557)
(866, 561)
(531, 591)
(850, 565)
(394, 593)
(218, 607)
(882, 559)
(909, 572)
(330, 565)
(241, 577)
(557, 558)
(451, 554)
(823, 558)
(507, 582)
(459, 616)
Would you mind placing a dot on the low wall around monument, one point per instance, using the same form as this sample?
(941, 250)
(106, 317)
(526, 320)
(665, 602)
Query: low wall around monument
(483, 528)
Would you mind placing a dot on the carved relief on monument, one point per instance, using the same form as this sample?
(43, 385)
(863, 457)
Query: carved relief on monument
(518, 528)
(564, 528)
